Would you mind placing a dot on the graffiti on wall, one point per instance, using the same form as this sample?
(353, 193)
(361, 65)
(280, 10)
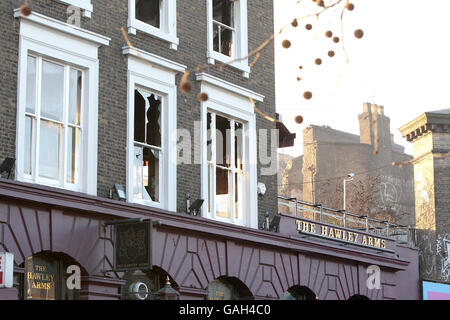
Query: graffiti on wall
(395, 195)
(443, 251)
(434, 256)
(426, 256)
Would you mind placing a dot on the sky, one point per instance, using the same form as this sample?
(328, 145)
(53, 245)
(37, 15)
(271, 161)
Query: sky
(402, 63)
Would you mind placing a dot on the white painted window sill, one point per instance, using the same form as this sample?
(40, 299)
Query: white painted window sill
(134, 25)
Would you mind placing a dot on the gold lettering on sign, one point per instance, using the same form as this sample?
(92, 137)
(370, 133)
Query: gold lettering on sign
(350, 236)
(377, 242)
(331, 234)
(339, 234)
(344, 235)
(305, 226)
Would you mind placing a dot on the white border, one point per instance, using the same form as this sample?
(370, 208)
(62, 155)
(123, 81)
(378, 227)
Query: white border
(232, 101)
(48, 41)
(241, 45)
(168, 27)
(64, 27)
(158, 75)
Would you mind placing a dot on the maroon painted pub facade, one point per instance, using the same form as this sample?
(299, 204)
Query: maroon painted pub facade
(204, 259)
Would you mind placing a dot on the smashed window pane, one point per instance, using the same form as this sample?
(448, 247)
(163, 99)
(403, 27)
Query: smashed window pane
(153, 121)
(147, 140)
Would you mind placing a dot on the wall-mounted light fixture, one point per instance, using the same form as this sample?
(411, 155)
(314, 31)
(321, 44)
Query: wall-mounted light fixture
(119, 191)
(195, 207)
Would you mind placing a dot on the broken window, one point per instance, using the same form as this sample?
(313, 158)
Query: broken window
(147, 145)
(223, 26)
(225, 167)
(148, 11)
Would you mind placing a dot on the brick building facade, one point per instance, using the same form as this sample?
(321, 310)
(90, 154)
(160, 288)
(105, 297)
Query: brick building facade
(88, 115)
(430, 135)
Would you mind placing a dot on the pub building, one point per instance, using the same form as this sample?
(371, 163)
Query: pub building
(93, 204)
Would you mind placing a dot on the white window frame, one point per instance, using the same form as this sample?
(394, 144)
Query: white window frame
(84, 5)
(232, 102)
(156, 75)
(57, 41)
(240, 45)
(168, 23)
(232, 169)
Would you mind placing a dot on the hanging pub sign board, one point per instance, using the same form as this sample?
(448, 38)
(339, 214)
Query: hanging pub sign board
(6, 269)
(40, 278)
(132, 245)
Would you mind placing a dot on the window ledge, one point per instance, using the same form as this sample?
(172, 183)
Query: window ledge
(154, 59)
(64, 27)
(47, 183)
(241, 65)
(244, 92)
(147, 203)
(134, 25)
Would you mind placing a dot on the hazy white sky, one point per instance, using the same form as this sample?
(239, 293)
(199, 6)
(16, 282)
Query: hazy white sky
(401, 63)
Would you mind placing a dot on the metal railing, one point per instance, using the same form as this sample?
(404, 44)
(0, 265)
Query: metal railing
(220, 26)
(299, 208)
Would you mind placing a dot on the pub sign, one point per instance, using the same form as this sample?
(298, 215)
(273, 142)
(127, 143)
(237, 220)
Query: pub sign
(132, 245)
(40, 278)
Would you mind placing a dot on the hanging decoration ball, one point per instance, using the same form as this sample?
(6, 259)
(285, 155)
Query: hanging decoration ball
(359, 33)
(202, 97)
(298, 119)
(286, 44)
(307, 95)
(25, 10)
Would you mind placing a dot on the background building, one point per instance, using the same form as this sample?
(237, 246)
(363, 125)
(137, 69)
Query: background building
(379, 188)
(430, 135)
